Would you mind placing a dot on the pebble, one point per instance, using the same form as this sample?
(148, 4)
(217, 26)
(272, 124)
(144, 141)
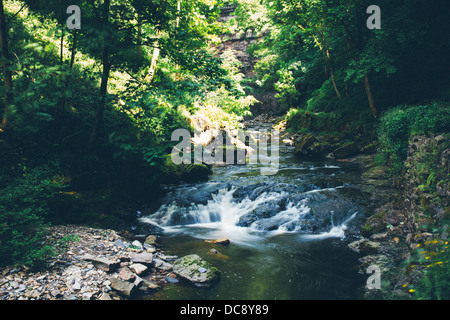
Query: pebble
(70, 277)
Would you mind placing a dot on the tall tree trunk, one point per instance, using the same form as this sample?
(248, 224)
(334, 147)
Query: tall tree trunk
(62, 45)
(328, 59)
(177, 74)
(103, 86)
(60, 108)
(370, 96)
(74, 51)
(155, 57)
(139, 47)
(6, 67)
(334, 82)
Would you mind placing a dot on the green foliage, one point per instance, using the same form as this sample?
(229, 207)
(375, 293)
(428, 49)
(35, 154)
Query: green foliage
(24, 205)
(37, 90)
(431, 260)
(63, 243)
(398, 124)
(302, 120)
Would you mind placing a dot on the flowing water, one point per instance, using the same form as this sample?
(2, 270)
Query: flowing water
(288, 232)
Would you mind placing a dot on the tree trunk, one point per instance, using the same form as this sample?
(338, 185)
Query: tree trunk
(152, 70)
(334, 82)
(62, 104)
(62, 45)
(103, 86)
(73, 53)
(369, 96)
(326, 53)
(139, 47)
(177, 74)
(327, 57)
(6, 67)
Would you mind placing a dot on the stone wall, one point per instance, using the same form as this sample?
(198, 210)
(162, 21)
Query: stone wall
(415, 213)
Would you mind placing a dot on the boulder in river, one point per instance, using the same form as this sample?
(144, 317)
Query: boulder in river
(196, 270)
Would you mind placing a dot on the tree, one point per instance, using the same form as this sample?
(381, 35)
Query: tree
(105, 75)
(6, 64)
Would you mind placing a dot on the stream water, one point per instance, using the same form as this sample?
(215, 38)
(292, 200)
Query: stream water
(288, 232)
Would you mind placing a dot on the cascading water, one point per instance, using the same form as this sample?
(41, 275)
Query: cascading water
(255, 208)
(287, 231)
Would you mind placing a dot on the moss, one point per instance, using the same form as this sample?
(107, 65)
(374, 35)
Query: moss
(378, 172)
(374, 224)
(188, 267)
(298, 120)
(347, 150)
(196, 172)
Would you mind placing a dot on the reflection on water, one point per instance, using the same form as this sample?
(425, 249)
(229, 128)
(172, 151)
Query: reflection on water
(280, 267)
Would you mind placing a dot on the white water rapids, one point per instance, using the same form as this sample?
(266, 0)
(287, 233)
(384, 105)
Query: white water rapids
(221, 216)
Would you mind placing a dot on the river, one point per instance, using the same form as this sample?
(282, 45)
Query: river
(288, 232)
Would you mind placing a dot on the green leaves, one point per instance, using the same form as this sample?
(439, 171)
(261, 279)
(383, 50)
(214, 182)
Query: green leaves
(24, 205)
(398, 124)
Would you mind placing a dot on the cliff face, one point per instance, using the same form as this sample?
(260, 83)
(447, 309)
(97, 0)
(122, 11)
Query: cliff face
(417, 213)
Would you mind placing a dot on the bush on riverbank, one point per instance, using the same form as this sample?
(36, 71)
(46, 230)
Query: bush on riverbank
(24, 205)
(400, 123)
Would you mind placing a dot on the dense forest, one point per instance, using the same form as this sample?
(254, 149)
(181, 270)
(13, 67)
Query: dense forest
(91, 97)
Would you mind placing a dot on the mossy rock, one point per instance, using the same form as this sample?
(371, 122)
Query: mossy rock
(173, 173)
(196, 270)
(377, 173)
(304, 142)
(347, 150)
(310, 146)
(374, 224)
(196, 172)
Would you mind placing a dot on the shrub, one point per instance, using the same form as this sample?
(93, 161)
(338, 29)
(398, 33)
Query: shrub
(22, 210)
(301, 120)
(432, 260)
(399, 123)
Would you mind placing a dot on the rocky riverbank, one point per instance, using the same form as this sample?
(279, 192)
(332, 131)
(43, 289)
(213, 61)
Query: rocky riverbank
(95, 264)
(408, 217)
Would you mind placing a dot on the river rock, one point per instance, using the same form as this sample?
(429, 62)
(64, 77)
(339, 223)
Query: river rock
(150, 240)
(148, 285)
(105, 296)
(162, 265)
(138, 268)
(125, 288)
(171, 279)
(102, 263)
(126, 274)
(137, 244)
(224, 241)
(145, 258)
(346, 151)
(187, 267)
(364, 245)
